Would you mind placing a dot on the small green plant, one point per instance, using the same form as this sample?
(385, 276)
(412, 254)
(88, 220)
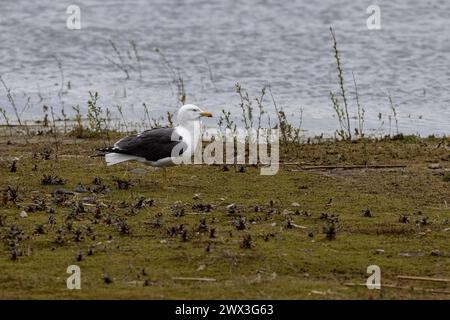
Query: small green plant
(361, 111)
(123, 184)
(55, 131)
(225, 119)
(65, 118)
(240, 223)
(247, 242)
(52, 180)
(169, 119)
(120, 110)
(13, 240)
(394, 114)
(5, 116)
(95, 113)
(78, 235)
(340, 100)
(11, 193)
(39, 228)
(78, 118)
(341, 111)
(147, 115)
(446, 177)
(123, 226)
(330, 229)
(289, 133)
(259, 102)
(331, 226)
(246, 106)
(3, 220)
(45, 120)
(16, 110)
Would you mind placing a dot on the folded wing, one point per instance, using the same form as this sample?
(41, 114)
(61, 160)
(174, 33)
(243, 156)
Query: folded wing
(153, 145)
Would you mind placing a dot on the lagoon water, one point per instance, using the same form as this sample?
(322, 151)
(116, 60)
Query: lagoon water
(215, 44)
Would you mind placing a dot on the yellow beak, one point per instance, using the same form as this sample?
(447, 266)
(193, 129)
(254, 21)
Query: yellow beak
(206, 114)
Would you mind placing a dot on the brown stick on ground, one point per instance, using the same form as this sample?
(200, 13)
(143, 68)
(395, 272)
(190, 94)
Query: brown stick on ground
(423, 279)
(378, 166)
(349, 284)
(194, 279)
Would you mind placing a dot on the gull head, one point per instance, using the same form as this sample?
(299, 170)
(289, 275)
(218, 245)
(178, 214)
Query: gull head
(191, 113)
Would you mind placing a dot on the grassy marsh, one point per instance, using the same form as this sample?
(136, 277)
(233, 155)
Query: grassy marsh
(133, 235)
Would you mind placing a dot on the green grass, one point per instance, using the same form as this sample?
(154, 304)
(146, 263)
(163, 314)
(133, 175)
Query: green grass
(282, 263)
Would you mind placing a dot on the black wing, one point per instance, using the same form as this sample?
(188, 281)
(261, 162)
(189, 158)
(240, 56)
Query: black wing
(153, 145)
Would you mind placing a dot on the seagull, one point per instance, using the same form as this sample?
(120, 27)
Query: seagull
(161, 147)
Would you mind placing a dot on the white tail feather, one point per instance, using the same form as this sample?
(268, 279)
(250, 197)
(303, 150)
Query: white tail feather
(115, 158)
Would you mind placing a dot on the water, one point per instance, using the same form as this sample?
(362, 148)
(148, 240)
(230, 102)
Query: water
(286, 44)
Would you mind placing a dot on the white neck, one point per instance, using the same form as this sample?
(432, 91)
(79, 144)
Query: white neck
(191, 133)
